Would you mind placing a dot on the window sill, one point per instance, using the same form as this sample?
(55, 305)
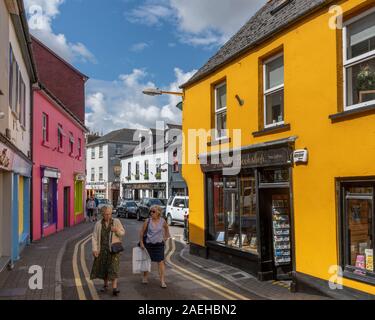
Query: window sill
(349, 274)
(352, 114)
(60, 150)
(272, 130)
(219, 142)
(232, 250)
(46, 144)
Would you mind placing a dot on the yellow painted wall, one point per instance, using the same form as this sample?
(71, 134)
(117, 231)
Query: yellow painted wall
(20, 205)
(343, 149)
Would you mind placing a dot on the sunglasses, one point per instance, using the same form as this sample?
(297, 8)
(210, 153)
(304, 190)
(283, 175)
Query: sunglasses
(153, 211)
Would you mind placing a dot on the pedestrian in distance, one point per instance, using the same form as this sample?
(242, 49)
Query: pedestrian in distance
(91, 207)
(107, 247)
(154, 233)
(96, 211)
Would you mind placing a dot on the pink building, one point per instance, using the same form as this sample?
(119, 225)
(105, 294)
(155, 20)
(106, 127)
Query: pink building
(58, 149)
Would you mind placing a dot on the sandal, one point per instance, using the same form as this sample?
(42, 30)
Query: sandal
(163, 285)
(104, 289)
(116, 292)
(144, 281)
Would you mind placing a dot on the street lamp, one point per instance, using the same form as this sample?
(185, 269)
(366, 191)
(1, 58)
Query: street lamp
(157, 92)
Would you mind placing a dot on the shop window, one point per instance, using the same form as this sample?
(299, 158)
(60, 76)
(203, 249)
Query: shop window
(48, 201)
(274, 176)
(274, 91)
(221, 111)
(234, 212)
(358, 224)
(359, 61)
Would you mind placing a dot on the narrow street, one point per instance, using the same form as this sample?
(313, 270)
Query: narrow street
(184, 282)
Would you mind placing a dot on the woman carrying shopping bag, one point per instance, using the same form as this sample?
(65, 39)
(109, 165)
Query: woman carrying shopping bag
(107, 246)
(154, 233)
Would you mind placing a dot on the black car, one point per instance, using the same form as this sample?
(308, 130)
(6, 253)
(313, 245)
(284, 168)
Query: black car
(127, 209)
(145, 206)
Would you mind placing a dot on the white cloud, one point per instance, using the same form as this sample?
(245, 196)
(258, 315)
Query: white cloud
(41, 13)
(139, 47)
(199, 22)
(119, 104)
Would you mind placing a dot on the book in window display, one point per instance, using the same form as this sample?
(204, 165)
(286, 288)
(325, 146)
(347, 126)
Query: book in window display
(281, 230)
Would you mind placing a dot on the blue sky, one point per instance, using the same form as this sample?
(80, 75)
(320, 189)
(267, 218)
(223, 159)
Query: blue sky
(127, 45)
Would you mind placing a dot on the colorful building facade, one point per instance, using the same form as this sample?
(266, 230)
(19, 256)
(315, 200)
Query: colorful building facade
(59, 168)
(17, 74)
(301, 88)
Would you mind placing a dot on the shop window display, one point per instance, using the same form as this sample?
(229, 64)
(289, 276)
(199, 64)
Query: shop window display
(218, 209)
(360, 228)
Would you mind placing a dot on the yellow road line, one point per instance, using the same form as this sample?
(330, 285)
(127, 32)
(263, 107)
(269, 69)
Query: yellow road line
(220, 290)
(77, 277)
(93, 292)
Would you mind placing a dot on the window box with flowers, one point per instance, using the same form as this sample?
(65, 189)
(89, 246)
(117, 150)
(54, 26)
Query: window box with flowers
(146, 176)
(128, 178)
(158, 176)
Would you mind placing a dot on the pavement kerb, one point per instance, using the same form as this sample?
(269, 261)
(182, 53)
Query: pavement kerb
(58, 277)
(231, 281)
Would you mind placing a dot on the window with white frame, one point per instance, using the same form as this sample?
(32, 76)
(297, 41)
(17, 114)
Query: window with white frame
(79, 147)
(92, 174)
(273, 70)
(359, 61)
(221, 110)
(101, 177)
(93, 153)
(101, 152)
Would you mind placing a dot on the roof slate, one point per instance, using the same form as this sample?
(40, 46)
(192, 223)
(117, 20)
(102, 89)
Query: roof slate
(259, 28)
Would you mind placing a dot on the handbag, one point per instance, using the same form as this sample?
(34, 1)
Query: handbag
(145, 234)
(116, 247)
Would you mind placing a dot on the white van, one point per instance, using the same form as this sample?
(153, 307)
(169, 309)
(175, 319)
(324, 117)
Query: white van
(177, 209)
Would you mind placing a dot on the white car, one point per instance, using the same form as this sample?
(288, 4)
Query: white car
(177, 209)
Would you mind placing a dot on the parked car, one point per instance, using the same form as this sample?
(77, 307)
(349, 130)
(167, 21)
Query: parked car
(127, 209)
(144, 206)
(177, 210)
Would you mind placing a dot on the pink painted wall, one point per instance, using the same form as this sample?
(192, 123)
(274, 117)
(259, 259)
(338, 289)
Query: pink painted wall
(49, 156)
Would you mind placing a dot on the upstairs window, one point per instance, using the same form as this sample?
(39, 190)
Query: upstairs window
(79, 148)
(137, 171)
(13, 81)
(93, 153)
(71, 143)
(45, 127)
(92, 174)
(22, 103)
(60, 137)
(359, 61)
(221, 111)
(274, 91)
(101, 177)
(129, 171)
(118, 150)
(101, 152)
(147, 171)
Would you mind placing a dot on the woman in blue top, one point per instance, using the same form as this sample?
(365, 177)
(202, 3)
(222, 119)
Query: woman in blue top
(154, 233)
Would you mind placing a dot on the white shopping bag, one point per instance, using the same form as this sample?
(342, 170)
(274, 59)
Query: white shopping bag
(141, 261)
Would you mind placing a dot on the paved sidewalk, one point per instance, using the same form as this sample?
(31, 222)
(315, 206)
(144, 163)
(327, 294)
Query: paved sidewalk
(272, 290)
(46, 253)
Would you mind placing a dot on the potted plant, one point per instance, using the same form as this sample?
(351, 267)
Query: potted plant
(128, 178)
(158, 175)
(365, 81)
(146, 176)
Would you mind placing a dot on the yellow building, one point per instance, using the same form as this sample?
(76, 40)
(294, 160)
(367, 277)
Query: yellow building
(300, 85)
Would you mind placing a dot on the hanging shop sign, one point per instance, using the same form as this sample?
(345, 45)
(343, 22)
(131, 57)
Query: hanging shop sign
(251, 159)
(80, 177)
(6, 157)
(301, 156)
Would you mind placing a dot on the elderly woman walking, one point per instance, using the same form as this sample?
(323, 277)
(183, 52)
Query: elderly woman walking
(154, 233)
(107, 235)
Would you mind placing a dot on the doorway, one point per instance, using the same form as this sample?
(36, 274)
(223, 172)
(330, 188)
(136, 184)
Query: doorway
(276, 233)
(66, 207)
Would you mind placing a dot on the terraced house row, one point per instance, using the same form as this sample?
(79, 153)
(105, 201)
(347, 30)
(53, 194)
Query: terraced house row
(42, 138)
(301, 87)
